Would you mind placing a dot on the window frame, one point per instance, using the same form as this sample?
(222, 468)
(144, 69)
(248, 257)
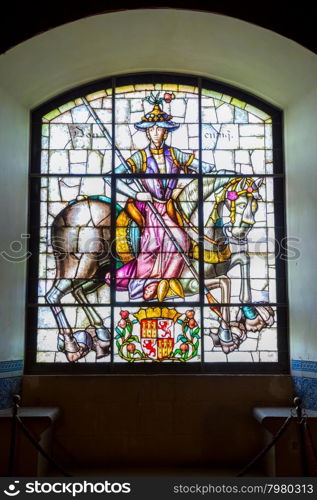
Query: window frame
(200, 367)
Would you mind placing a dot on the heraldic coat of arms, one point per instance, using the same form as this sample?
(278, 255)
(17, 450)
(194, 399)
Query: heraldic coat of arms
(158, 334)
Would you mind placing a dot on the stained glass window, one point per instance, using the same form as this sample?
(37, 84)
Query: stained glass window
(156, 222)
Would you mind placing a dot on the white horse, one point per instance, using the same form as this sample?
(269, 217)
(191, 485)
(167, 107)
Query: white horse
(225, 246)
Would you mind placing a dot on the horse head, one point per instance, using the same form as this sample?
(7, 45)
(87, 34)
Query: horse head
(240, 196)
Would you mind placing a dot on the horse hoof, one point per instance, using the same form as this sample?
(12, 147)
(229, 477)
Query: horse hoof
(78, 346)
(83, 337)
(75, 356)
(231, 346)
(215, 339)
(225, 349)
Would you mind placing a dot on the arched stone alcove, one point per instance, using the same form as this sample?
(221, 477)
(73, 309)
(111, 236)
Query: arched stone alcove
(225, 49)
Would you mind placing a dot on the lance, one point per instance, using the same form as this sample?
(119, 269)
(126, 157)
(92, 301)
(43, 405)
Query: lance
(152, 207)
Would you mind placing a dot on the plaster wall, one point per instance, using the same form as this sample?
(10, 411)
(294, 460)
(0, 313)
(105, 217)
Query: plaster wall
(300, 142)
(14, 144)
(255, 59)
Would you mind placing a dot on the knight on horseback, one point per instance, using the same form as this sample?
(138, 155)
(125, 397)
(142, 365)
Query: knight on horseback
(154, 272)
(156, 240)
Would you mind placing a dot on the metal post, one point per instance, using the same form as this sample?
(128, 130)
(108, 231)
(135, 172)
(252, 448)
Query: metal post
(298, 407)
(299, 413)
(16, 402)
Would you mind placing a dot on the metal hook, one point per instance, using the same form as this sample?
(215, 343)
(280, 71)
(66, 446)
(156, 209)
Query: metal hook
(16, 398)
(298, 408)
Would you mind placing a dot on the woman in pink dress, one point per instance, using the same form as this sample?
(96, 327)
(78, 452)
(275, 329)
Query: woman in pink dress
(155, 271)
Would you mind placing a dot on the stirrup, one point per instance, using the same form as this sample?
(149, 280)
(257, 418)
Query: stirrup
(176, 287)
(103, 334)
(162, 289)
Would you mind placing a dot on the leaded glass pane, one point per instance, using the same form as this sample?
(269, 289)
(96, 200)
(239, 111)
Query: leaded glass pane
(151, 239)
(157, 235)
(255, 345)
(239, 136)
(157, 334)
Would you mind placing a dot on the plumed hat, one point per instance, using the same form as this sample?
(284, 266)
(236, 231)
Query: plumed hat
(156, 117)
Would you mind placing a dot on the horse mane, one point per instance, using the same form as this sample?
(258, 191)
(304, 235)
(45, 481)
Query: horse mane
(187, 199)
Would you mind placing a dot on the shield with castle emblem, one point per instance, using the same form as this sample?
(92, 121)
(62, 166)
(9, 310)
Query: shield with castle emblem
(157, 337)
(157, 334)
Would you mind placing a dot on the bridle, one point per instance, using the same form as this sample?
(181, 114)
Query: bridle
(230, 193)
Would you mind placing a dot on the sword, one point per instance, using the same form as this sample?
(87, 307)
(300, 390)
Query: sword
(211, 299)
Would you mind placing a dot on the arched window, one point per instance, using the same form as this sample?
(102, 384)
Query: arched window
(157, 226)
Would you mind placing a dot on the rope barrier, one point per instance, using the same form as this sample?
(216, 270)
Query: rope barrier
(309, 455)
(39, 448)
(16, 401)
(260, 455)
(18, 422)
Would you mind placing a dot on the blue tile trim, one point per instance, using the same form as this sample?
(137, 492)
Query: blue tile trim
(11, 366)
(301, 365)
(306, 389)
(8, 387)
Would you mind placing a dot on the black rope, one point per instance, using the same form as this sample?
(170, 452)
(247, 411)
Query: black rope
(17, 420)
(16, 400)
(260, 455)
(310, 452)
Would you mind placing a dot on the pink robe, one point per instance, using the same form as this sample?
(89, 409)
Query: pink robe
(158, 258)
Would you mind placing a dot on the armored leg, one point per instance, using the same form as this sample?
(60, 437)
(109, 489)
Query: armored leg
(66, 342)
(101, 340)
